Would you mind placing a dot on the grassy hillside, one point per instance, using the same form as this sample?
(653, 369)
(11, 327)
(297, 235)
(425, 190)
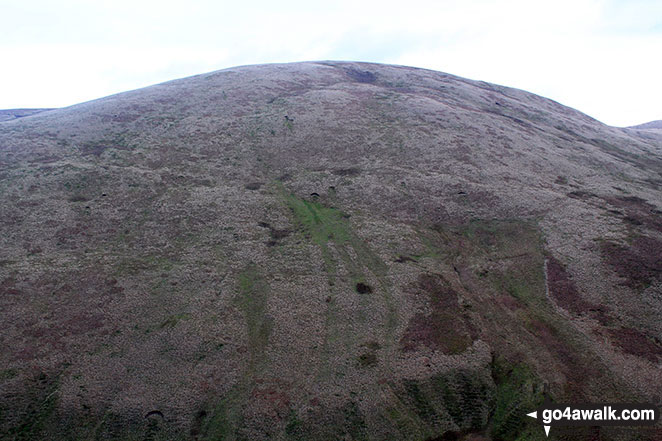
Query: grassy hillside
(324, 251)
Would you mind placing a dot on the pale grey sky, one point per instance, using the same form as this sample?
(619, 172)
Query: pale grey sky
(602, 57)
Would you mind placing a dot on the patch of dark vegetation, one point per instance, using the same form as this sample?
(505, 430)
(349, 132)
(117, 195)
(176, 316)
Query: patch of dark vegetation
(465, 398)
(273, 395)
(293, 428)
(275, 234)
(633, 221)
(445, 328)
(363, 288)
(578, 369)
(653, 183)
(638, 211)
(72, 237)
(219, 421)
(510, 302)
(635, 342)
(460, 398)
(82, 323)
(43, 159)
(404, 259)
(434, 333)
(122, 117)
(629, 202)
(561, 180)
(581, 195)
(181, 180)
(8, 288)
(30, 413)
(107, 425)
(323, 423)
(368, 359)
(78, 198)
(361, 76)
(352, 171)
(645, 162)
(254, 185)
(638, 264)
(564, 291)
(477, 198)
(96, 148)
(252, 300)
(495, 238)
(9, 114)
(518, 390)
(172, 320)
(196, 426)
(422, 405)
(452, 435)
(372, 345)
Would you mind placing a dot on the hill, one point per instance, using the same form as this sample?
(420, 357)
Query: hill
(324, 250)
(9, 114)
(649, 125)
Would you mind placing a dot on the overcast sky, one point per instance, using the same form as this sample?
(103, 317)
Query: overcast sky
(602, 57)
